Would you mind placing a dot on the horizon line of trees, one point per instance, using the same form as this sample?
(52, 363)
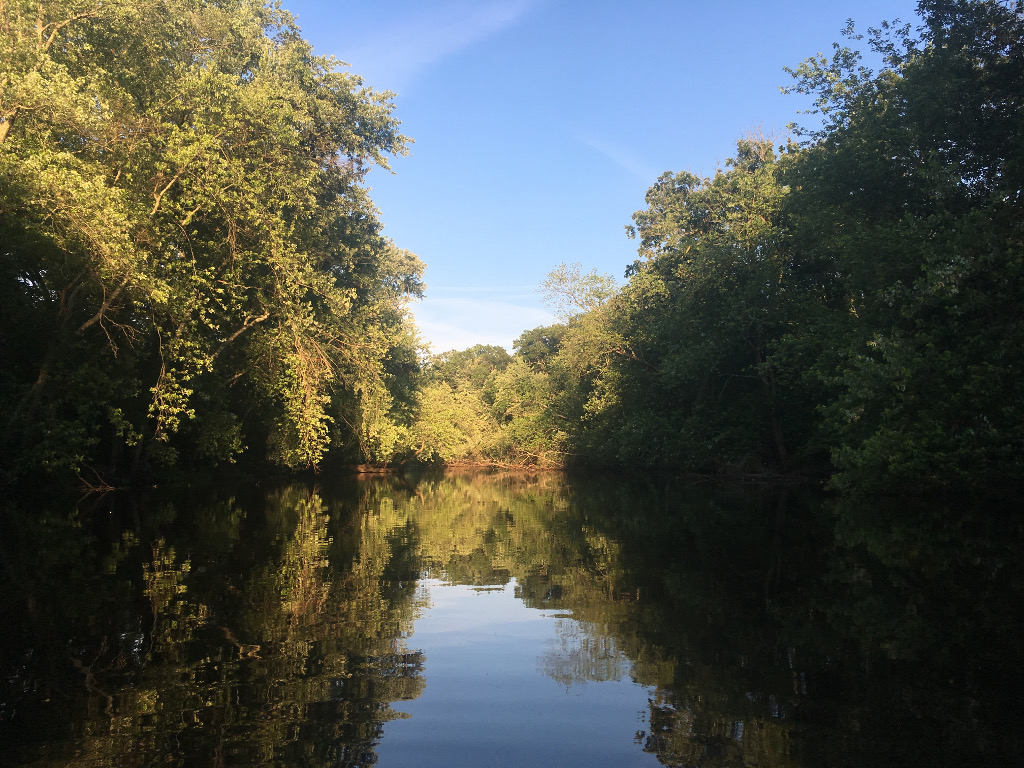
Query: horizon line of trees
(192, 270)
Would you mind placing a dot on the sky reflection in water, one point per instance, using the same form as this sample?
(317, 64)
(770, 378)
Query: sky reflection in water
(488, 698)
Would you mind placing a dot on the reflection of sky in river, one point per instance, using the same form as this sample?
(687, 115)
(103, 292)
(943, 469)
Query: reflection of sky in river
(491, 698)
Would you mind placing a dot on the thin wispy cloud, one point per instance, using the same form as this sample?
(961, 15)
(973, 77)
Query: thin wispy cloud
(504, 293)
(458, 323)
(393, 58)
(626, 159)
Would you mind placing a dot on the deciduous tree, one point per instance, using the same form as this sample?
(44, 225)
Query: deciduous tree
(186, 241)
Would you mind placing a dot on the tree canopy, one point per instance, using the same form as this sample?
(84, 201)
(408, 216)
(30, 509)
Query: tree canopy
(844, 303)
(190, 262)
(191, 267)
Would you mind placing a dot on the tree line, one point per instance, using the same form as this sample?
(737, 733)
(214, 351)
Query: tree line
(193, 271)
(846, 305)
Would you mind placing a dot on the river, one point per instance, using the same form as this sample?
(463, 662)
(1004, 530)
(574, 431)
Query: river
(504, 619)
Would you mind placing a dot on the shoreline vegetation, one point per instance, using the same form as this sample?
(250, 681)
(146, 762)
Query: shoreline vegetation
(194, 275)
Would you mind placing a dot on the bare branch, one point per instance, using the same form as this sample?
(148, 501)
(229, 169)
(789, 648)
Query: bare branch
(107, 302)
(58, 26)
(249, 323)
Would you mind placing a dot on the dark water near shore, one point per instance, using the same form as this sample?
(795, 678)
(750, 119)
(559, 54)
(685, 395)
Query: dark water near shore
(510, 620)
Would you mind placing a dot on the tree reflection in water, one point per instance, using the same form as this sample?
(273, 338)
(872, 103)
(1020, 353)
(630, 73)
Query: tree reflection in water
(583, 654)
(772, 628)
(254, 639)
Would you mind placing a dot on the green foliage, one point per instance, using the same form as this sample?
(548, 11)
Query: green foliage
(482, 405)
(185, 235)
(470, 368)
(451, 425)
(536, 347)
(918, 165)
(452, 419)
(190, 267)
(569, 291)
(854, 299)
(677, 369)
(705, 308)
(530, 428)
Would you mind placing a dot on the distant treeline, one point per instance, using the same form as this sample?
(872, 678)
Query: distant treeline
(193, 272)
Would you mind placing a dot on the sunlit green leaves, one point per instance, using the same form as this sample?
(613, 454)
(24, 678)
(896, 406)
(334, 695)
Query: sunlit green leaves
(181, 205)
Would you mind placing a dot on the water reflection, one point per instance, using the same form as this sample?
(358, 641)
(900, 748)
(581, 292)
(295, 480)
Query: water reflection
(238, 643)
(769, 628)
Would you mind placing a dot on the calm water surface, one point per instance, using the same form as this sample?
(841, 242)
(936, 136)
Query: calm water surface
(503, 689)
(509, 620)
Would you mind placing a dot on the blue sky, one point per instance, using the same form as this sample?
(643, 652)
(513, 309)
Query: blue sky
(540, 124)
